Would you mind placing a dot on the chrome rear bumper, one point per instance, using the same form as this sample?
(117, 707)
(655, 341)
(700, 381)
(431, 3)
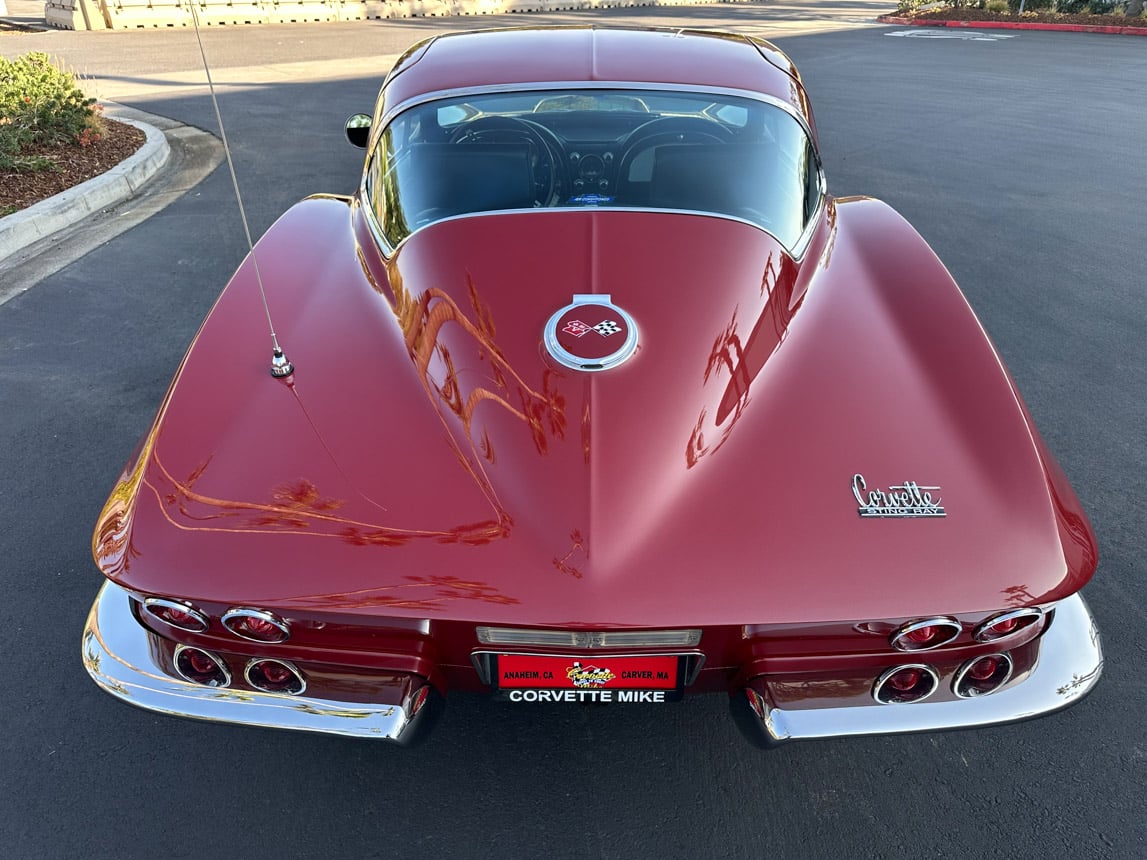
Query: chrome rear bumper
(1069, 663)
(117, 656)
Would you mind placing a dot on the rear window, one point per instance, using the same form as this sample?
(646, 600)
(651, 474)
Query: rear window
(631, 149)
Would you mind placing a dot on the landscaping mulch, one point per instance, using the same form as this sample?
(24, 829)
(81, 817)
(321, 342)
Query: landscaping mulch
(10, 27)
(74, 164)
(1040, 17)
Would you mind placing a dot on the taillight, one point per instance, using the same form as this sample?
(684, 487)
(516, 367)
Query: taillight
(176, 613)
(274, 676)
(257, 625)
(903, 684)
(201, 667)
(1006, 624)
(925, 634)
(982, 676)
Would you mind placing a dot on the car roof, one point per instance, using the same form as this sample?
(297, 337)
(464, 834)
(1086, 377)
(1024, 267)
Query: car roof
(525, 56)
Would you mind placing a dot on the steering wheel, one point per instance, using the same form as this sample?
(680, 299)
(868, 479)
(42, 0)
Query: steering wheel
(547, 159)
(663, 130)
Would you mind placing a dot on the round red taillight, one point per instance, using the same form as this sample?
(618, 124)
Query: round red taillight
(274, 676)
(925, 634)
(257, 625)
(903, 684)
(176, 613)
(201, 667)
(982, 676)
(1006, 624)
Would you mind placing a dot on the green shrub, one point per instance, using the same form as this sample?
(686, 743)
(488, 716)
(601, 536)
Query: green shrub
(998, 6)
(1105, 7)
(1071, 7)
(1031, 5)
(41, 104)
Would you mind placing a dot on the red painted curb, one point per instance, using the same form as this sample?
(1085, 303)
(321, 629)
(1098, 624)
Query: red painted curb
(1016, 25)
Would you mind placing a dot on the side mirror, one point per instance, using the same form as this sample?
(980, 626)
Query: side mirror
(358, 130)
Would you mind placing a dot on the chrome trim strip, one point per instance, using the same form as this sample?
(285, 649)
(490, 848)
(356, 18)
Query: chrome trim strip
(797, 250)
(117, 656)
(1068, 666)
(586, 639)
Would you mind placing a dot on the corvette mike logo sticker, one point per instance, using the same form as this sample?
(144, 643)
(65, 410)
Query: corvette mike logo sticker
(589, 676)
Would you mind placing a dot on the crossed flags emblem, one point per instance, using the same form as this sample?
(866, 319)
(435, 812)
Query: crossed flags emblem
(605, 328)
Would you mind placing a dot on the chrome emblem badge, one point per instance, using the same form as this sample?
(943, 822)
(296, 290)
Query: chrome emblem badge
(591, 334)
(900, 500)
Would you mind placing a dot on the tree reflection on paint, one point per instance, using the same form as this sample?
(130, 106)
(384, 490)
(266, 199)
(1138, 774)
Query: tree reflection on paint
(738, 358)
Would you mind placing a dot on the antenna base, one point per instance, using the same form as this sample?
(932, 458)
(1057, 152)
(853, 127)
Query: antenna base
(280, 364)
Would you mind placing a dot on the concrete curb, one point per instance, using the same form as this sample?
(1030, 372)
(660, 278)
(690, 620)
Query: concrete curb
(69, 207)
(1015, 25)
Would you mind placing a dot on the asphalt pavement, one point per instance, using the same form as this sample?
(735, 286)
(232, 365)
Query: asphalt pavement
(1020, 160)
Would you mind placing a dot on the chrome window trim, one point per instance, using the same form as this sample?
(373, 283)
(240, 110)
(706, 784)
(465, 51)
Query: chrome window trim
(796, 250)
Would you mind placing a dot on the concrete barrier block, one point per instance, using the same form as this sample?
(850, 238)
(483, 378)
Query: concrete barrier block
(222, 13)
(300, 11)
(75, 15)
(351, 10)
(143, 14)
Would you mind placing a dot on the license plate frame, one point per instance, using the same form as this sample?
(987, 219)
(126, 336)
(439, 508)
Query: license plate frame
(588, 678)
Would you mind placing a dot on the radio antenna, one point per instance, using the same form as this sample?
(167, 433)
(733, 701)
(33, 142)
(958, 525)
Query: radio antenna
(280, 365)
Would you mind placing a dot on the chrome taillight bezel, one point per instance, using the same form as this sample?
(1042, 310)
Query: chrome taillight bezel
(899, 697)
(296, 689)
(152, 605)
(1027, 617)
(220, 664)
(898, 639)
(968, 690)
(236, 614)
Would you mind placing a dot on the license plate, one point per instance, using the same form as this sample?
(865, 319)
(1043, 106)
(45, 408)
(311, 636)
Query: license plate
(546, 678)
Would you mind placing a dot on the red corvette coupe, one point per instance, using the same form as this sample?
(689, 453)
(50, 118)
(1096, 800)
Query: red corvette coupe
(594, 394)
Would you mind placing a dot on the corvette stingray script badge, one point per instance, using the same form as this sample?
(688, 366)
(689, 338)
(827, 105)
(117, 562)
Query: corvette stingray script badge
(591, 334)
(900, 500)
